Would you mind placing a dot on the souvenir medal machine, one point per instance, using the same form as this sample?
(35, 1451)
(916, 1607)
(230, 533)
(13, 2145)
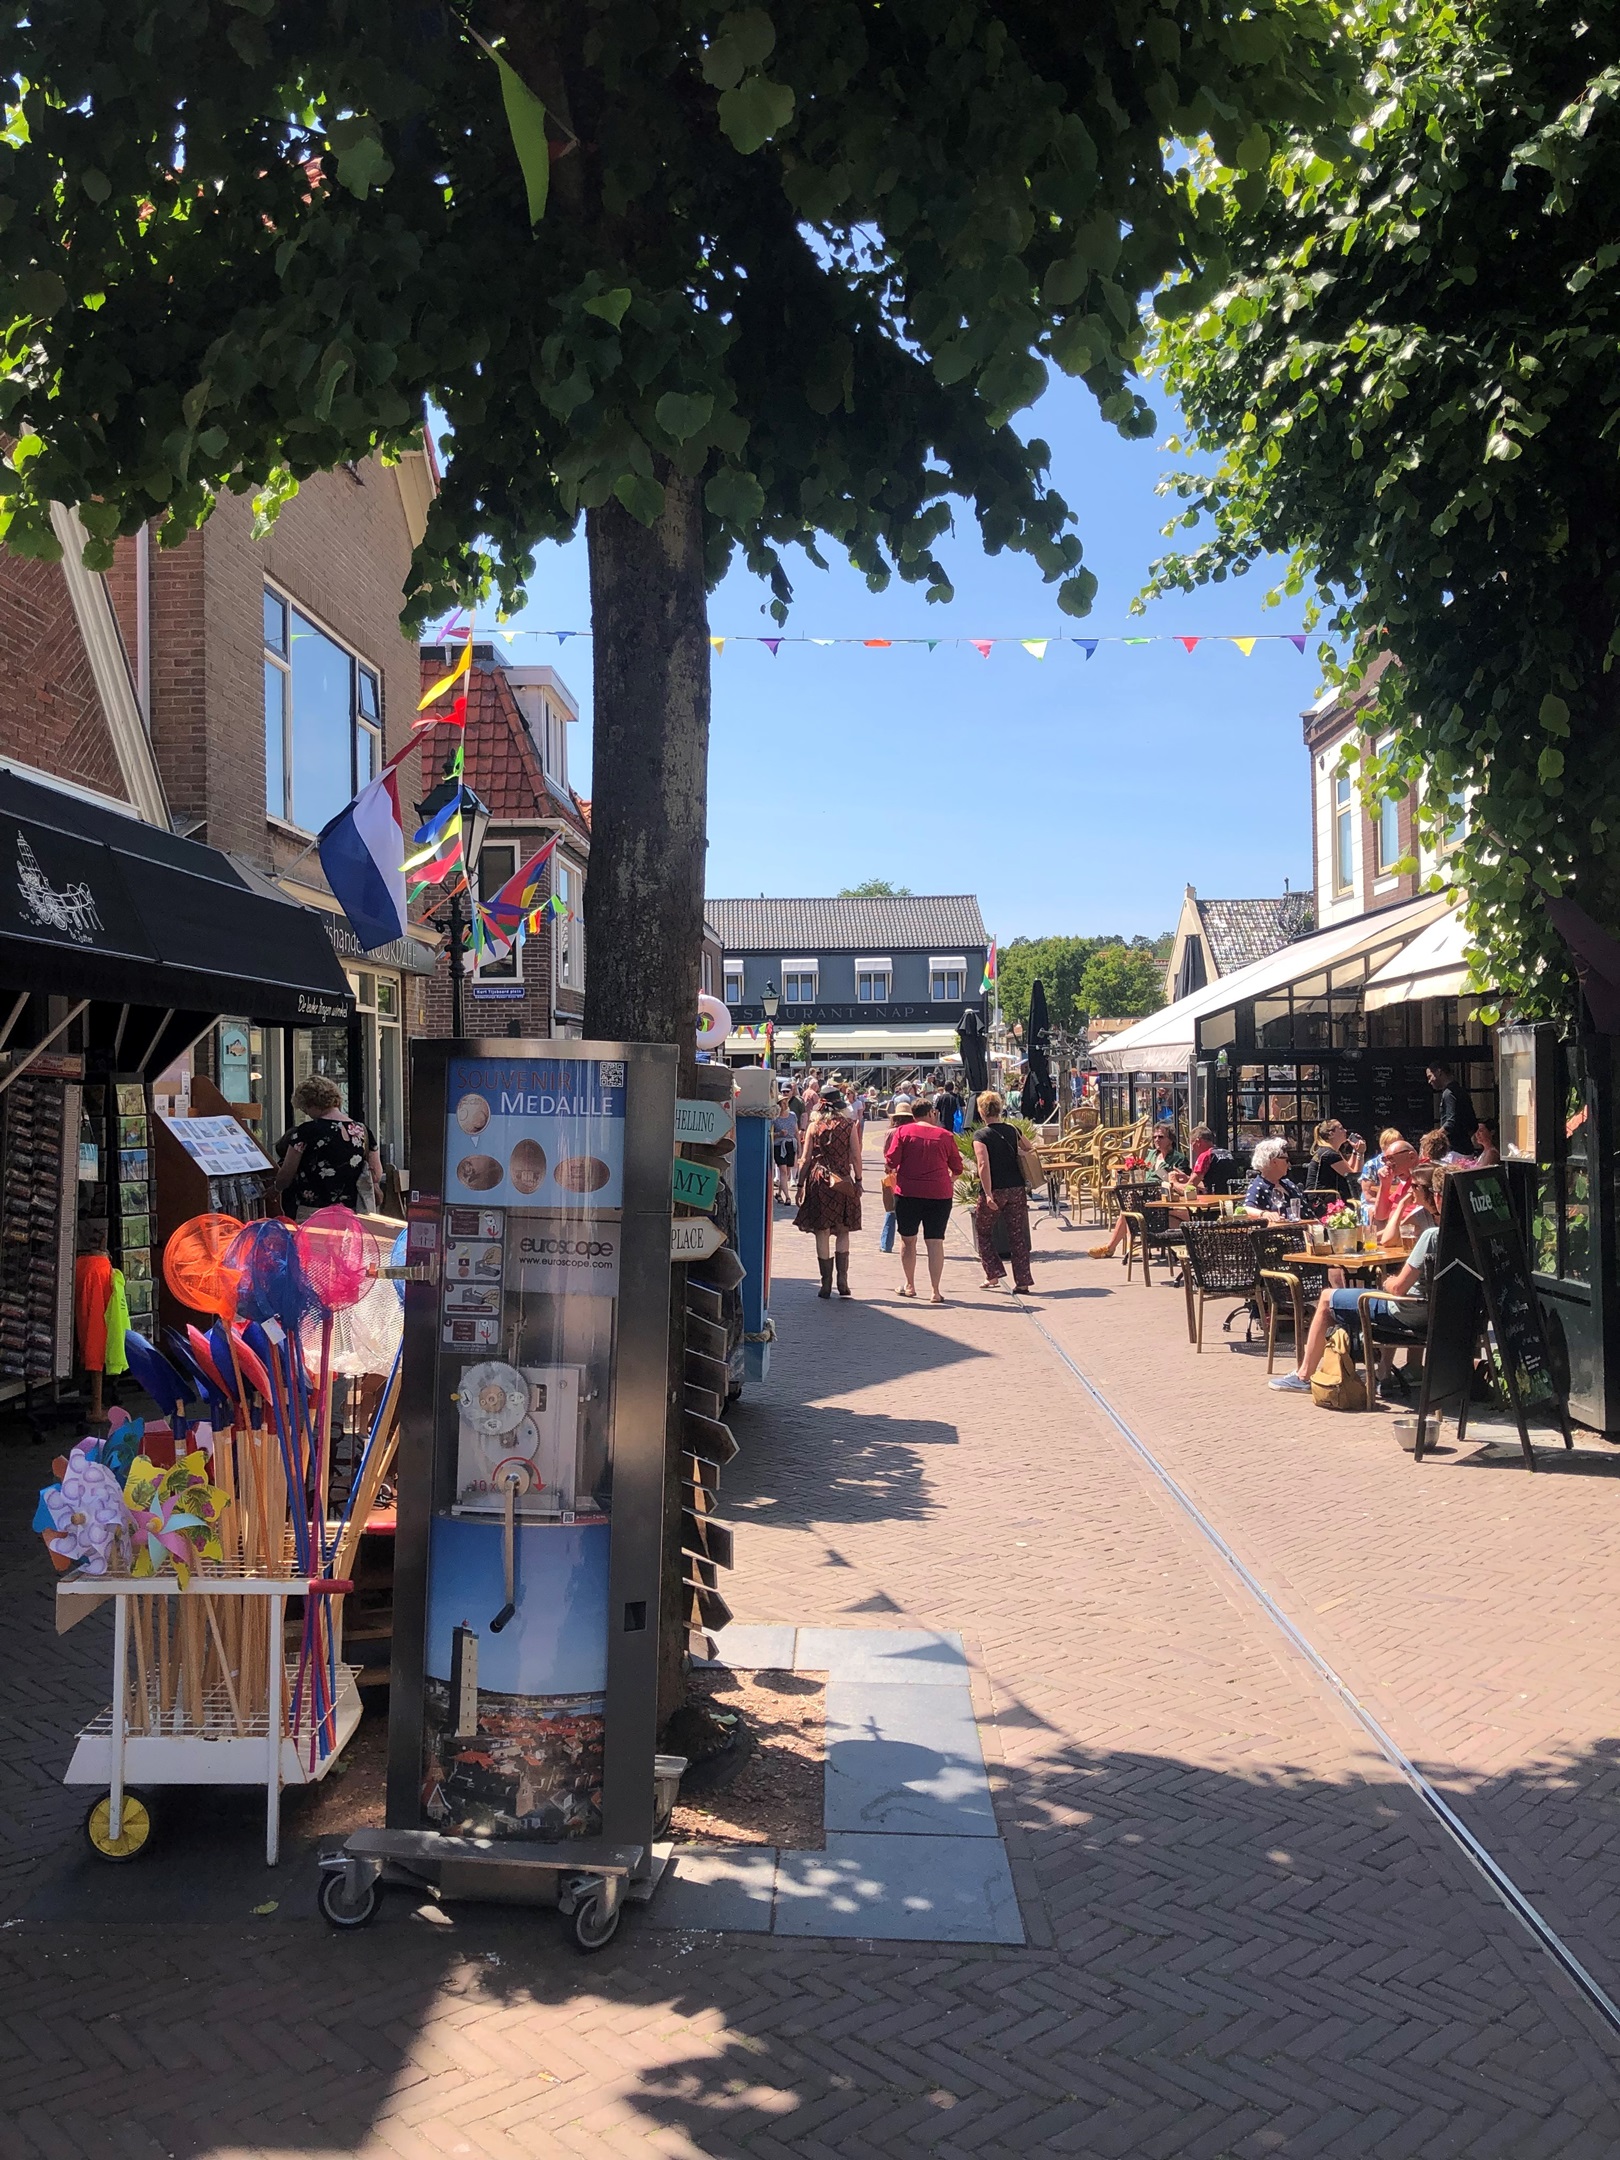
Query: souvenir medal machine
(523, 1711)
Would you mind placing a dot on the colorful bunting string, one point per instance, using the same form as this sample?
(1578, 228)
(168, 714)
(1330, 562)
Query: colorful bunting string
(1036, 647)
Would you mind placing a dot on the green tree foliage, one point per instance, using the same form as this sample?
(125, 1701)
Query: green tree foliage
(1060, 963)
(874, 888)
(1402, 350)
(1121, 982)
(816, 258)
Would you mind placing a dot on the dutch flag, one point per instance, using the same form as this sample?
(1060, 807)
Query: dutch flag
(363, 854)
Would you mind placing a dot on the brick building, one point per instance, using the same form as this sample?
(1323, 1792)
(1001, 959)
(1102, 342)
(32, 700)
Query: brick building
(518, 718)
(277, 680)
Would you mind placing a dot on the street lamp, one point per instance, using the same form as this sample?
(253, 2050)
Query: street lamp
(768, 1004)
(475, 816)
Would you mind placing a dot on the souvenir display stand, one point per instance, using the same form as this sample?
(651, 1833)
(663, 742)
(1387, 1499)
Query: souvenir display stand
(523, 1705)
(202, 1524)
(160, 1730)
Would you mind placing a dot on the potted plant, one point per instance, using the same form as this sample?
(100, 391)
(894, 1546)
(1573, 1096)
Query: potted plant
(1343, 1226)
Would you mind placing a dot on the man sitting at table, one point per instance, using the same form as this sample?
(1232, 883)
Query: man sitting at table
(1272, 1192)
(1393, 1190)
(1345, 1306)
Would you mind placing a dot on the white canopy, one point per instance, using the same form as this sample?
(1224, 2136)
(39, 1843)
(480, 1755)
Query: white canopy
(1164, 1041)
(1432, 966)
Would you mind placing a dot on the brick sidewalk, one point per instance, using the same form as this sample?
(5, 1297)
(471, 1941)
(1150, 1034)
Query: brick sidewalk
(1246, 1936)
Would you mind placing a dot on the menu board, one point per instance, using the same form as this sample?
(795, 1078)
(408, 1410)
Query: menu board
(1482, 1273)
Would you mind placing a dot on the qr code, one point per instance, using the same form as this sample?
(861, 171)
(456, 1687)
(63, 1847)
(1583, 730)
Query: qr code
(613, 1073)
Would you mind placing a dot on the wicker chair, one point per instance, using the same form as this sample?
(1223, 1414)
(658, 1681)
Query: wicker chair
(1222, 1262)
(1406, 1329)
(1287, 1293)
(1155, 1235)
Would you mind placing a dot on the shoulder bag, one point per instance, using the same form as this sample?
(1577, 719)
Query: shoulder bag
(1030, 1163)
(1335, 1384)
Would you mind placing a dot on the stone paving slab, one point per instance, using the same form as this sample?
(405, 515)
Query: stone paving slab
(754, 1649)
(905, 1758)
(899, 1889)
(929, 1657)
(727, 1889)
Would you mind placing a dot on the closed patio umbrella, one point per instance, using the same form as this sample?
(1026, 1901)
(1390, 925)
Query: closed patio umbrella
(975, 1058)
(1039, 1098)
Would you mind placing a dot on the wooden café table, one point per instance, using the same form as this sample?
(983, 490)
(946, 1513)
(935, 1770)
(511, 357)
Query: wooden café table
(1356, 1263)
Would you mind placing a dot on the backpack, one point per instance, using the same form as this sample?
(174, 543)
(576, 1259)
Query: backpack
(1336, 1384)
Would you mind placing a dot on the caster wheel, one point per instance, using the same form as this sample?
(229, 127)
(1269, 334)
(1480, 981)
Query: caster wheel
(339, 1910)
(134, 1831)
(594, 1926)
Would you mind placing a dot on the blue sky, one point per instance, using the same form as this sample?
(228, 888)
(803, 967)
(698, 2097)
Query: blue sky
(1071, 795)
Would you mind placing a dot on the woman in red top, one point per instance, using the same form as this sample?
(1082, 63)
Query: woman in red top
(925, 1164)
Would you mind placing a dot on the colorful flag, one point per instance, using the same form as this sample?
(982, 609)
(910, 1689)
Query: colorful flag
(362, 851)
(989, 982)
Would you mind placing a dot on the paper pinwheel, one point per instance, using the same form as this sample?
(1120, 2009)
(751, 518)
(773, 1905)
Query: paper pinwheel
(82, 1518)
(173, 1516)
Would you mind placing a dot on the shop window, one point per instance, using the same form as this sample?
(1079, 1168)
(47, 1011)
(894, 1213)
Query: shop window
(496, 865)
(322, 718)
(1344, 833)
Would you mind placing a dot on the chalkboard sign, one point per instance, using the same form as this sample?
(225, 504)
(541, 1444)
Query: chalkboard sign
(1482, 1272)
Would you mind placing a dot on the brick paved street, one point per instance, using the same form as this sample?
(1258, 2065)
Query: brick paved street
(1245, 1934)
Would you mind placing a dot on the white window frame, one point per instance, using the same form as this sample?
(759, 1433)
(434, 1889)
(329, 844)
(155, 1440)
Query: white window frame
(731, 980)
(941, 968)
(879, 971)
(568, 930)
(509, 968)
(798, 971)
(364, 728)
(1343, 833)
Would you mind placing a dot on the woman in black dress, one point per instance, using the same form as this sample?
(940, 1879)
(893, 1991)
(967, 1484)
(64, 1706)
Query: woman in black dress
(326, 1153)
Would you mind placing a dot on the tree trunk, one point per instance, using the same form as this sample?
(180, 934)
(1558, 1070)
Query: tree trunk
(649, 773)
(644, 888)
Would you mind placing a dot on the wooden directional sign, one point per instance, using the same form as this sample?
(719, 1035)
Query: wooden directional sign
(725, 1271)
(706, 1303)
(709, 1536)
(697, 1472)
(705, 1334)
(703, 1122)
(694, 1184)
(698, 1502)
(705, 1608)
(694, 1237)
(706, 1436)
(707, 1372)
(707, 1402)
(702, 1572)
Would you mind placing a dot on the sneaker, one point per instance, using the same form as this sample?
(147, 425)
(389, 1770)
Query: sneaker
(1290, 1383)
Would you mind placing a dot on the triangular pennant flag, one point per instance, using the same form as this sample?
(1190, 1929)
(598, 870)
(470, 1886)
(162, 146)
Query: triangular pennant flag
(932, 643)
(1136, 641)
(454, 676)
(877, 641)
(1035, 647)
(772, 645)
(823, 641)
(1245, 645)
(1088, 645)
(1186, 643)
(526, 119)
(455, 717)
(982, 645)
(718, 643)
(509, 635)
(563, 636)
(1296, 638)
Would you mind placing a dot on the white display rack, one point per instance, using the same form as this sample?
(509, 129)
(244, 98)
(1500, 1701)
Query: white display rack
(136, 1742)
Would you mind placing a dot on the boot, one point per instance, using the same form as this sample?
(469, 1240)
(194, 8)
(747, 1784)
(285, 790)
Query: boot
(826, 1278)
(842, 1262)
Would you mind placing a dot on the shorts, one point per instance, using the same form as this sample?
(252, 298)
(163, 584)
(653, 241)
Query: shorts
(932, 1217)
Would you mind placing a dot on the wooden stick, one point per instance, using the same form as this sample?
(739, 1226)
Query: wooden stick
(143, 1621)
(224, 1661)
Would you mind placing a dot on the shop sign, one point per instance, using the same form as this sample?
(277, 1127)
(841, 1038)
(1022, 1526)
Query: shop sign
(406, 954)
(316, 1009)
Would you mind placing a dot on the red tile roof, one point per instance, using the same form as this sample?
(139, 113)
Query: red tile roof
(503, 763)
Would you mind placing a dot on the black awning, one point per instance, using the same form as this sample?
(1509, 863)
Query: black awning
(97, 905)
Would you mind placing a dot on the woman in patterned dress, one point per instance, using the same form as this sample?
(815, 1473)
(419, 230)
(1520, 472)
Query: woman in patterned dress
(326, 1153)
(830, 1189)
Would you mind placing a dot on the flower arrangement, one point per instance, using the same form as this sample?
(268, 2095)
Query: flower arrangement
(1344, 1217)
